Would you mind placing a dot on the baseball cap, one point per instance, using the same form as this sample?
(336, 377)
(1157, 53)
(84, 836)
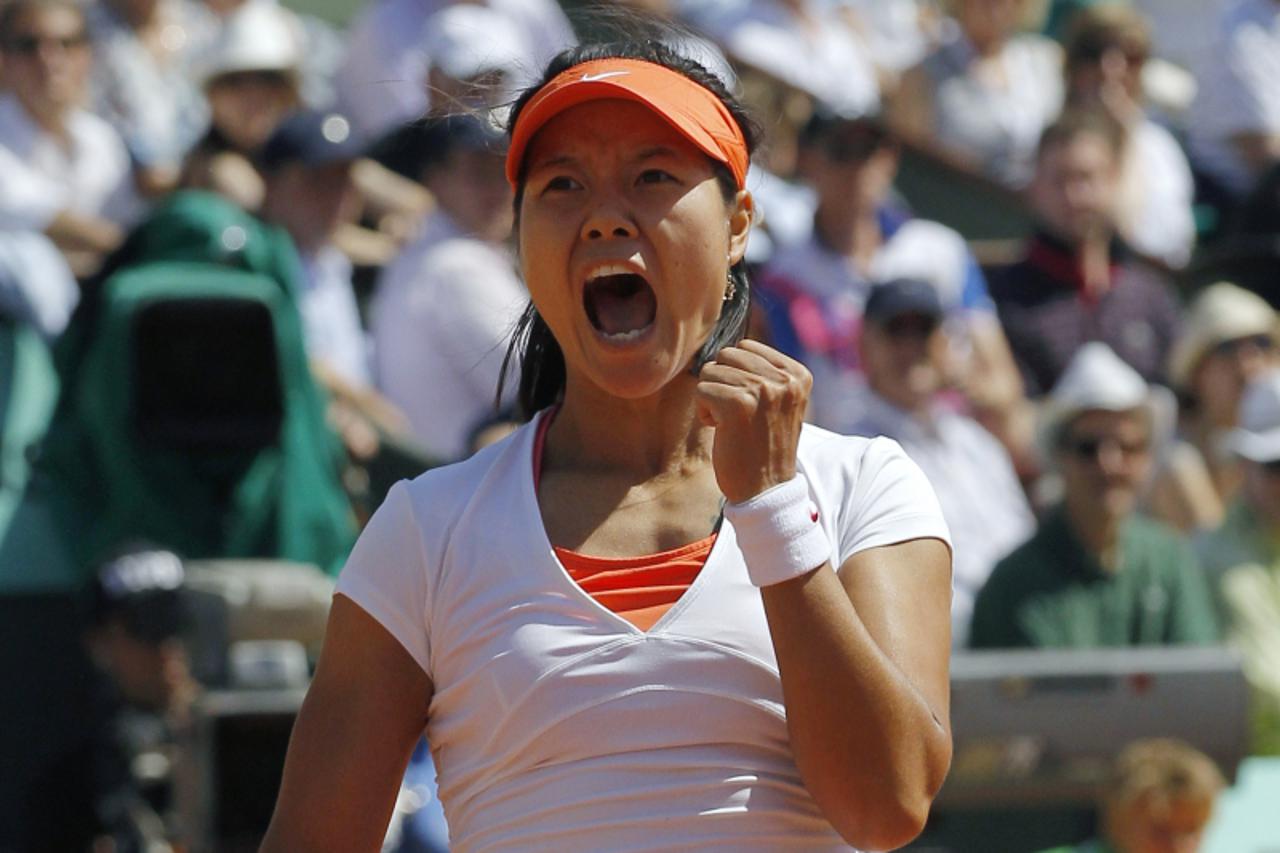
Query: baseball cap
(312, 138)
(899, 297)
(142, 589)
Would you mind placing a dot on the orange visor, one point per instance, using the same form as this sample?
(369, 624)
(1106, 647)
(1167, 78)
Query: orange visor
(692, 110)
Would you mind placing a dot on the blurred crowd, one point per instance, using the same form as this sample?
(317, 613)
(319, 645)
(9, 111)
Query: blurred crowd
(254, 267)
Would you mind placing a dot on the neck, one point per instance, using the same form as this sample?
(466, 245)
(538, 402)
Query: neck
(48, 118)
(645, 439)
(1098, 531)
(854, 234)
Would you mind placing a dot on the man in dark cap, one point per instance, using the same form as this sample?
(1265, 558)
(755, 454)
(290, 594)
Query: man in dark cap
(905, 354)
(307, 165)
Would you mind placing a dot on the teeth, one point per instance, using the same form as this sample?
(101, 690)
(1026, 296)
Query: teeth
(611, 269)
(623, 337)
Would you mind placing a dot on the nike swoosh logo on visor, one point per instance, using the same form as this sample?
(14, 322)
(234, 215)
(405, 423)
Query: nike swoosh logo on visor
(603, 75)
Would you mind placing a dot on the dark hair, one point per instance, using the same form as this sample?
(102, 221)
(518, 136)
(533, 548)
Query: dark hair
(1096, 30)
(13, 10)
(542, 369)
(1074, 123)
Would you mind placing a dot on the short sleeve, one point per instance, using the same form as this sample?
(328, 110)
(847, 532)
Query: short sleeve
(891, 501)
(386, 574)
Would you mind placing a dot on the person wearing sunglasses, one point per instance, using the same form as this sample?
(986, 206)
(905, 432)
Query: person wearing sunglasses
(64, 171)
(907, 353)
(1096, 573)
(1229, 338)
(1243, 555)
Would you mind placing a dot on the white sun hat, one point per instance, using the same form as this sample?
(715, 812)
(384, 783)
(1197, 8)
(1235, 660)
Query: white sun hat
(1257, 438)
(259, 36)
(468, 40)
(1097, 379)
(1221, 312)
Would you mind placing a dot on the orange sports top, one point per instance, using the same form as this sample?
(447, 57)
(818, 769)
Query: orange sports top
(639, 589)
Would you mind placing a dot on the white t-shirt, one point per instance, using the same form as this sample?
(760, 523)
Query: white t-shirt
(442, 314)
(41, 176)
(558, 725)
(1156, 215)
(330, 317)
(1239, 90)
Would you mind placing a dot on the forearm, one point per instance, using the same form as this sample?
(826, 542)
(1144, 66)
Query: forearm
(869, 747)
(78, 232)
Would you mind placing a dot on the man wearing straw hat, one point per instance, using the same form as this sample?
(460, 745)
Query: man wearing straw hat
(1243, 556)
(1095, 573)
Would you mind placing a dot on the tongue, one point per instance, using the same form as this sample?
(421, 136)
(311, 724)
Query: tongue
(621, 303)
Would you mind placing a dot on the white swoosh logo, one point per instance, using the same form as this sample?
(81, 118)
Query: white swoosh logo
(603, 75)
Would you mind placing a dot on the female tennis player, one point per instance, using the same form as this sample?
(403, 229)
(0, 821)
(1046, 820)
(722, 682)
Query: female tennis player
(664, 614)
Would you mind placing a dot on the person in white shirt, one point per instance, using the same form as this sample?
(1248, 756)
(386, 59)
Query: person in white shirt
(443, 308)
(1234, 128)
(770, 674)
(985, 93)
(905, 358)
(64, 172)
(1106, 50)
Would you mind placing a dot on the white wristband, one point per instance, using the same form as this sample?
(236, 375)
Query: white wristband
(779, 534)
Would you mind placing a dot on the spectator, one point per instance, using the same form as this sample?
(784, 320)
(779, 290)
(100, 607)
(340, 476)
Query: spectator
(904, 353)
(444, 308)
(1106, 53)
(1243, 555)
(251, 79)
(1234, 132)
(985, 93)
(321, 47)
(105, 792)
(1230, 337)
(806, 44)
(1095, 573)
(814, 290)
(1078, 281)
(380, 81)
(1159, 799)
(65, 172)
(307, 163)
(144, 82)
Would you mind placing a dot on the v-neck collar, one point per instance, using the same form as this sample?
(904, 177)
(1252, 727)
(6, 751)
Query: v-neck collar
(541, 545)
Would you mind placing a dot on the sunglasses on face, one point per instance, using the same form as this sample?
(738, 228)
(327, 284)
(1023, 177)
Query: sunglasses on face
(1261, 343)
(1272, 468)
(30, 45)
(911, 326)
(1088, 447)
(1094, 52)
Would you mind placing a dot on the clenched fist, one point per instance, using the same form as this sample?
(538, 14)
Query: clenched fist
(756, 399)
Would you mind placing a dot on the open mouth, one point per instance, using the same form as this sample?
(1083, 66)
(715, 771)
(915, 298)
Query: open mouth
(620, 305)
